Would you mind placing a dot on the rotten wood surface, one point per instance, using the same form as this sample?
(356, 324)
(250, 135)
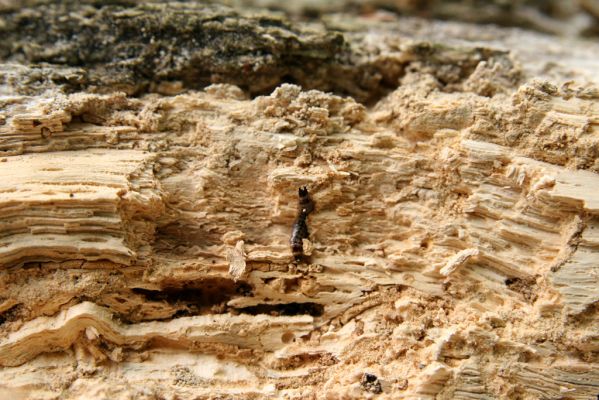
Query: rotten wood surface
(148, 193)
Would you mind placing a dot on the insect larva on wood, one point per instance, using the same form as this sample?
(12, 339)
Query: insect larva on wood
(300, 226)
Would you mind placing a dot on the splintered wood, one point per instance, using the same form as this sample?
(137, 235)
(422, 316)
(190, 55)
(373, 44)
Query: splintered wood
(453, 252)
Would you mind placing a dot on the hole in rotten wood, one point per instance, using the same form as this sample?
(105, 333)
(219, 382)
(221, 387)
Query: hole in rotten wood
(425, 243)
(287, 309)
(287, 337)
(94, 240)
(11, 314)
(527, 287)
(199, 296)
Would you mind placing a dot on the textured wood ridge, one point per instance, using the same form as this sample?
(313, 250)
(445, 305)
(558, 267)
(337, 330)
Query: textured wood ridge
(453, 250)
(63, 330)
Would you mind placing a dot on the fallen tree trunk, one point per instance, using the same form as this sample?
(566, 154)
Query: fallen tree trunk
(148, 193)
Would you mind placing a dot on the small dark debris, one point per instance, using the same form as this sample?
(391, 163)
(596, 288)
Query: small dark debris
(71, 195)
(371, 383)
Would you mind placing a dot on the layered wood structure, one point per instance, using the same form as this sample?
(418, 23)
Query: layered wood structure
(91, 205)
(144, 242)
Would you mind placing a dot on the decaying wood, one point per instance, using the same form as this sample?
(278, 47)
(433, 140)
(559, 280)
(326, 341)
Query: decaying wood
(144, 241)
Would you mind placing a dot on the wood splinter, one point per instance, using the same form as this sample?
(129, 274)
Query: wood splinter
(300, 226)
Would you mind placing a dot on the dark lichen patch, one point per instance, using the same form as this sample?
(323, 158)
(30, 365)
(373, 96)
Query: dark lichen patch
(197, 44)
(135, 48)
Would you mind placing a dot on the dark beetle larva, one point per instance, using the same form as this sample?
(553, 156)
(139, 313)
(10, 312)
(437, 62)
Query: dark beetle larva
(300, 227)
